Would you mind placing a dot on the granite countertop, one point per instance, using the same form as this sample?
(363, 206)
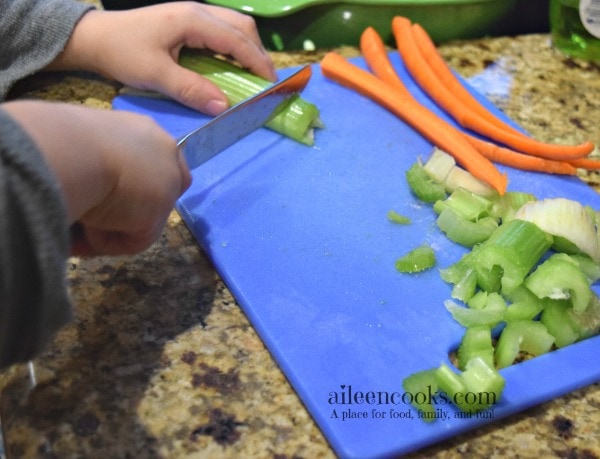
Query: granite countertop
(161, 362)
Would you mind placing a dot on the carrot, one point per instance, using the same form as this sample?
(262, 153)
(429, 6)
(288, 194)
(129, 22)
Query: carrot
(520, 161)
(440, 133)
(373, 51)
(377, 59)
(429, 82)
(586, 163)
(446, 77)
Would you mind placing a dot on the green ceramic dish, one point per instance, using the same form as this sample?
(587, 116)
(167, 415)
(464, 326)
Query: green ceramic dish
(306, 24)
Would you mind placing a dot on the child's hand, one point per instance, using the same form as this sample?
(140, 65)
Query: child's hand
(120, 173)
(140, 48)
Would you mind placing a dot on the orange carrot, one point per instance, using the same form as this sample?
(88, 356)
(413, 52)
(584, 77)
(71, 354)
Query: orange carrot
(518, 160)
(373, 51)
(446, 77)
(377, 59)
(427, 79)
(586, 163)
(440, 133)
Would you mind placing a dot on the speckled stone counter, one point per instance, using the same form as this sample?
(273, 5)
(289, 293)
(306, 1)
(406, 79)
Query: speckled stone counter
(160, 362)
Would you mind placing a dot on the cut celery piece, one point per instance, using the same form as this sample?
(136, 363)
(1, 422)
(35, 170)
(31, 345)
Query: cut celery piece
(476, 342)
(586, 323)
(395, 217)
(506, 206)
(490, 315)
(566, 219)
(297, 121)
(422, 382)
(466, 204)
(423, 186)
(465, 232)
(466, 287)
(556, 319)
(438, 165)
(589, 267)
(560, 278)
(477, 388)
(530, 336)
(416, 260)
(524, 305)
(503, 254)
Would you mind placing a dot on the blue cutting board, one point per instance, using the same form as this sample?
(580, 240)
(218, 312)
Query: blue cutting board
(301, 238)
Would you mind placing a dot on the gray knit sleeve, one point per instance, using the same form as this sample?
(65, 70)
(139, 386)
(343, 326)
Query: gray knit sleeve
(34, 247)
(32, 34)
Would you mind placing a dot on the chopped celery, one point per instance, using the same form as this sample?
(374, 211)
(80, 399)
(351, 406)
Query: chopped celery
(556, 319)
(524, 305)
(465, 232)
(466, 286)
(442, 168)
(422, 382)
(476, 342)
(589, 267)
(566, 219)
(586, 323)
(477, 388)
(530, 336)
(423, 186)
(296, 121)
(502, 254)
(438, 165)
(505, 207)
(460, 178)
(466, 204)
(490, 315)
(395, 217)
(560, 278)
(416, 260)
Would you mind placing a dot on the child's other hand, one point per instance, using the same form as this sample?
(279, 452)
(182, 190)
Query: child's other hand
(140, 48)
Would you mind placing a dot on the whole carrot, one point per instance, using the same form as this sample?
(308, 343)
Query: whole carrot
(440, 133)
(429, 82)
(373, 51)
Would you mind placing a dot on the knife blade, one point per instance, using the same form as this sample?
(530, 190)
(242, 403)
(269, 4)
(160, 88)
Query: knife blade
(238, 121)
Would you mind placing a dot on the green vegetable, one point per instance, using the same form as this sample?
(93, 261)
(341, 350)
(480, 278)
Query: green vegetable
(477, 388)
(421, 184)
(463, 231)
(530, 336)
(422, 382)
(395, 217)
(416, 260)
(297, 121)
(476, 342)
(568, 220)
(560, 278)
(490, 314)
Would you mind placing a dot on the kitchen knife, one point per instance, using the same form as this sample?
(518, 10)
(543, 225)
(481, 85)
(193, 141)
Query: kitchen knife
(241, 119)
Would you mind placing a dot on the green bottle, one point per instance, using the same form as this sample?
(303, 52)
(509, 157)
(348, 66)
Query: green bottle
(575, 27)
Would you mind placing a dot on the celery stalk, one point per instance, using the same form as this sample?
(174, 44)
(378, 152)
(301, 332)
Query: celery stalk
(466, 204)
(296, 121)
(586, 323)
